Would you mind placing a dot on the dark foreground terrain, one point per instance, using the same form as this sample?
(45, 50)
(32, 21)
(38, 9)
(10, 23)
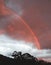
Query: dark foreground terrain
(19, 59)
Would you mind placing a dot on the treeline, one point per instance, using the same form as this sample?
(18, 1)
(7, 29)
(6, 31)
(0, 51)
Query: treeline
(20, 59)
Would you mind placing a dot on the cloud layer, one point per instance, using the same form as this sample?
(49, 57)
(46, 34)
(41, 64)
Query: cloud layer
(8, 46)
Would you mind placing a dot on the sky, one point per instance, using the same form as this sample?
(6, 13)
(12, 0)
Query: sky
(26, 20)
(37, 14)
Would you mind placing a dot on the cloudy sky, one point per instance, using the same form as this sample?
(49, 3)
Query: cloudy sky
(37, 14)
(28, 20)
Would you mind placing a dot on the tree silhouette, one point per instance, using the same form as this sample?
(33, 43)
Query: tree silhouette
(16, 54)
